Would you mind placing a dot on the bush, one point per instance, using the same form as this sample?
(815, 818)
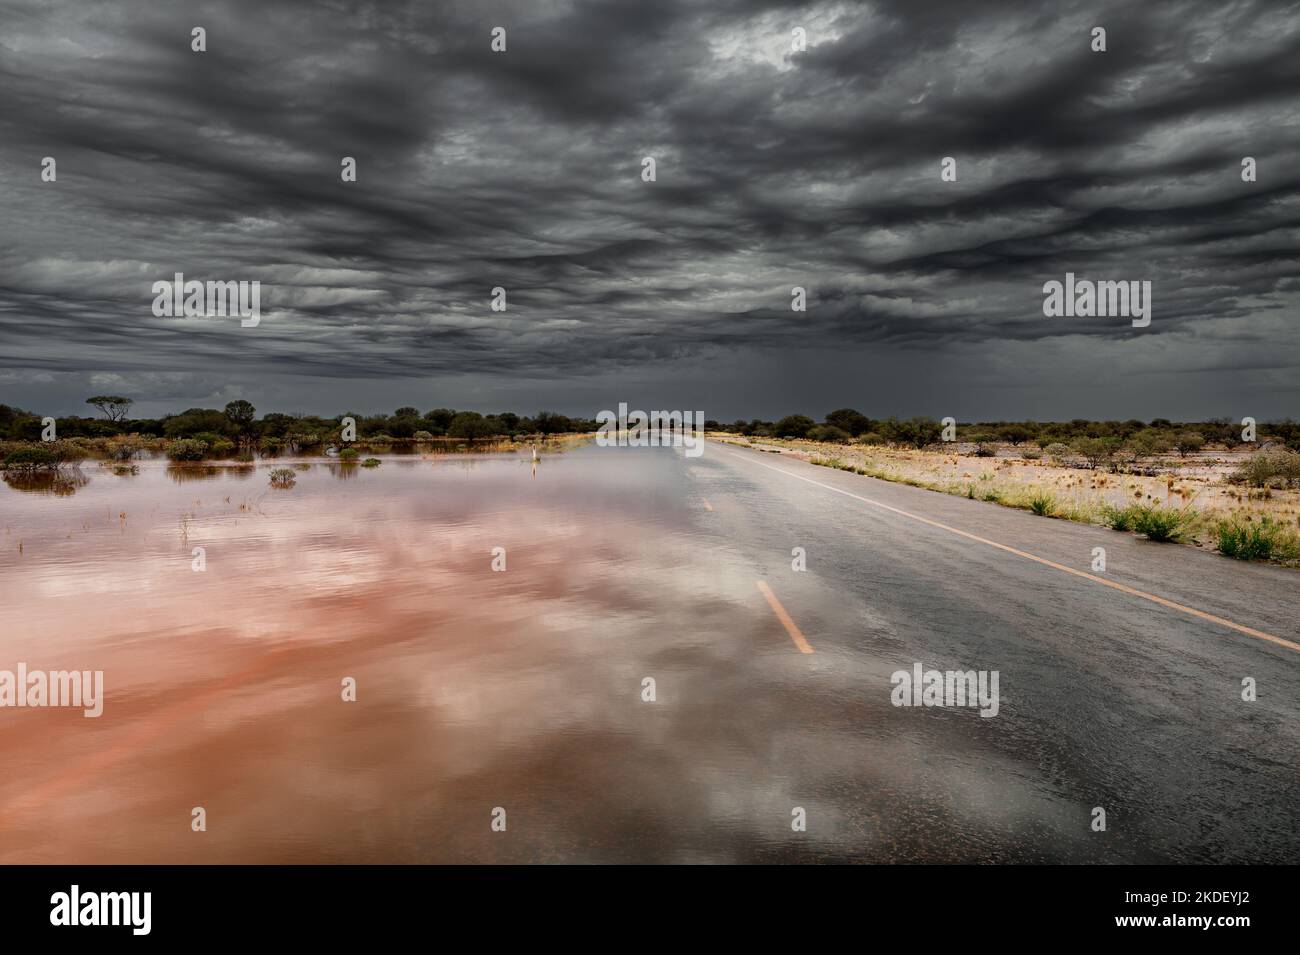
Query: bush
(1251, 540)
(1189, 442)
(1044, 505)
(124, 448)
(793, 426)
(34, 458)
(348, 454)
(1273, 467)
(985, 449)
(370, 463)
(917, 432)
(187, 449)
(828, 432)
(871, 438)
(283, 477)
(1058, 453)
(1031, 454)
(1119, 518)
(1160, 523)
(1095, 451)
(422, 436)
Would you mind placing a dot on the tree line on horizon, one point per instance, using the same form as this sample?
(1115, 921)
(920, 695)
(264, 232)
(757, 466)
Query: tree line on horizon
(237, 424)
(847, 425)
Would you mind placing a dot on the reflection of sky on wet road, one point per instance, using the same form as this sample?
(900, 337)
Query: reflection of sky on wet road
(476, 689)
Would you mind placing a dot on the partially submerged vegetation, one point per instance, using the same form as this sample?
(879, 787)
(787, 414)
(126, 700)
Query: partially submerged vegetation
(236, 434)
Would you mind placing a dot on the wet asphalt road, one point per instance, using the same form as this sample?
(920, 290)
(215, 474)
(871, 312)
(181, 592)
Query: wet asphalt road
(1107, 699)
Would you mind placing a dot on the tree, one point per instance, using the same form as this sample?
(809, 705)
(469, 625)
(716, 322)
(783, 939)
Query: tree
(548, 422)
(469, 424)
(1188, 442)
(793, 426)
(439, 418)
(918, 432)
(1016, 434)
(1149, 442)
(406, 413)
(114, 407)
(195, 420)
(846, 419)
(1095, 451)
(240, 414)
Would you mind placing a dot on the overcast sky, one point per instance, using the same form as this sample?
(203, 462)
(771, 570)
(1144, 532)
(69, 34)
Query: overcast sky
(775, 169)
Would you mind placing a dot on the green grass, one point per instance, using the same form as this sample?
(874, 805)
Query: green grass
(1265, 539)
(1117, 518)
(1160, 523)
(1044, 505)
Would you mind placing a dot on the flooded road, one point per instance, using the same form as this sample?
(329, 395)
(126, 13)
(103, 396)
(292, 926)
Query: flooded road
(525, 689)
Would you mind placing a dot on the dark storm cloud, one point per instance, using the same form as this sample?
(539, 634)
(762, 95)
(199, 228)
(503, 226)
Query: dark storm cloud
(775, 169)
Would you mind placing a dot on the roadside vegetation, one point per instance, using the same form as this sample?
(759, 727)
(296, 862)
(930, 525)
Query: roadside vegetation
(1196, 483)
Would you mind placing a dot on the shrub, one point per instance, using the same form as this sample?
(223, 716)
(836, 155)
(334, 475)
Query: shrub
(1095, 451)
(986, 449)
(1031, 454)
(1188, 442)
(422, 436)
(187, 449)
(370, 463)
(828, 432)
(871, 438)
(34, 458)
(283, 477)
(1057, 452)
(1251, 540)
(124, 447)
(1275, 466)
(793, 426)
(1160, 523)
(1044, 505)
(348, 454)
(1119, 518)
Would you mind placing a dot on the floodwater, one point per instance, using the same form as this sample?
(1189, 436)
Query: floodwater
(506, 715)
(476, 689)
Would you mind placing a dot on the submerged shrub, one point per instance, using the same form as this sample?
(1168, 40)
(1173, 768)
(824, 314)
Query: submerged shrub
(34, 458)
(187, 449)
(1274, 467)
(283, 477)
(370, 463)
